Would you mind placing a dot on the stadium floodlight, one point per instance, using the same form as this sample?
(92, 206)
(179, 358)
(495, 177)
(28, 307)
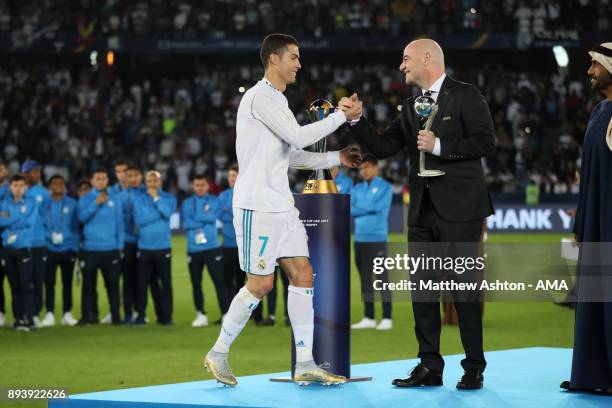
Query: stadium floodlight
(561, 56)
(110, 58)
(93, 58)
(241, 89)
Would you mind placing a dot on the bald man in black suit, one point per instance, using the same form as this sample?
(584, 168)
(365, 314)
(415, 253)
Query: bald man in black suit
(450, 208)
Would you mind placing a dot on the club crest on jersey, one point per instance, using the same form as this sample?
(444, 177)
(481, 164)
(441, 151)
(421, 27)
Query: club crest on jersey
(261, 265)
(23, 209)
(39, 198)
(111, 204)
(66, 210)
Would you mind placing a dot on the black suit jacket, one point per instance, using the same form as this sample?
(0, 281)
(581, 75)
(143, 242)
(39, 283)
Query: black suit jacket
(465, 128)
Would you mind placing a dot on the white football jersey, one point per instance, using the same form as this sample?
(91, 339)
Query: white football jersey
(269, 140)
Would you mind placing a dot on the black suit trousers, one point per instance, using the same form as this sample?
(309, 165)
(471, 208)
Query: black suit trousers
(430, 227)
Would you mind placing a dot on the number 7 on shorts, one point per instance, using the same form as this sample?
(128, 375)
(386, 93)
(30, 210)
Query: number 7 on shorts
(264, 240)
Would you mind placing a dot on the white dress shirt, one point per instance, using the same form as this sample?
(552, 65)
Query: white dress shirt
(435, 92)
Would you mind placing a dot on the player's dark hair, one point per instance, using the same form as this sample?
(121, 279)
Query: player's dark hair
(132, 167)
(121, 162)
(18, 177)
(84, 182)
(199, 177)
(370, 158)
(274, 44)
(233, 167)
(56, 176)
(99, 170)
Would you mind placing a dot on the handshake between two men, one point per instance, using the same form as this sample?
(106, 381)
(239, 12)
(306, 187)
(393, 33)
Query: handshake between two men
(353, 109)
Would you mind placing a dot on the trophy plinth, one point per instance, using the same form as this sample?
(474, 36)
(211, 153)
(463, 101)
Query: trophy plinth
(431, 173)
(321, 180)
(426, 107)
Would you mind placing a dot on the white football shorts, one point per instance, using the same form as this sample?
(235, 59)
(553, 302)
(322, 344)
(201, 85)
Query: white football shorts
(263, 237)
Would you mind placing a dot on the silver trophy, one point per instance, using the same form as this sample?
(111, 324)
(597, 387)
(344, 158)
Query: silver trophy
(426, 107)
(321, 180)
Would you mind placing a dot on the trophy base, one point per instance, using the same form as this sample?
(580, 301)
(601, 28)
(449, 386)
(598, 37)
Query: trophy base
(290, 380)
(431, 173)
(320, 187)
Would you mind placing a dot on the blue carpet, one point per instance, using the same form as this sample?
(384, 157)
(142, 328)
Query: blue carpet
(514, 378)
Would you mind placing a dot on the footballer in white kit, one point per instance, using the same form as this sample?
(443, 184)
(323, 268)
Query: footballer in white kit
(269, 141)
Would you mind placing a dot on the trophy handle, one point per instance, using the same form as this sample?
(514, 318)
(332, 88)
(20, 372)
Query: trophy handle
(423, 172)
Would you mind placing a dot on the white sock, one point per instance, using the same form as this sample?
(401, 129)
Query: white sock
(235, 319)
(301, 314)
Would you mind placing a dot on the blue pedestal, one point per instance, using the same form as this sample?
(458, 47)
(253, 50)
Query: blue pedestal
(327, 221)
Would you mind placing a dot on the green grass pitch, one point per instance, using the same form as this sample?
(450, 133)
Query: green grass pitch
(102, 357)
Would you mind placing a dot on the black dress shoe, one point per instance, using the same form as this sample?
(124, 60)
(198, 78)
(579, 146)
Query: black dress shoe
(471, 380)
(566, 385)
(419, 376)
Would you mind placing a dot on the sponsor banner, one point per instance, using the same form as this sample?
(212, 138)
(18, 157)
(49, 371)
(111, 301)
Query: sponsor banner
(549, 218)
(523, 218)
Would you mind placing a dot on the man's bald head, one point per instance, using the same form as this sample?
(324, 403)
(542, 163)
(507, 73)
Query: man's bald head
(428, 48)
(423, 62)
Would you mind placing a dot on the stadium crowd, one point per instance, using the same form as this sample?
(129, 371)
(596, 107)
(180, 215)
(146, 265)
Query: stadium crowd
(74, 122)
(27, 20)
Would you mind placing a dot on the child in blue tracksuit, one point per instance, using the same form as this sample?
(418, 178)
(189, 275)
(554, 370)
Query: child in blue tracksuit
(199, 219)
(129, 263)
(18, 217)
(370, 204)
(63, 242)
(101, 214)
(152, 212)
(32, 172)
